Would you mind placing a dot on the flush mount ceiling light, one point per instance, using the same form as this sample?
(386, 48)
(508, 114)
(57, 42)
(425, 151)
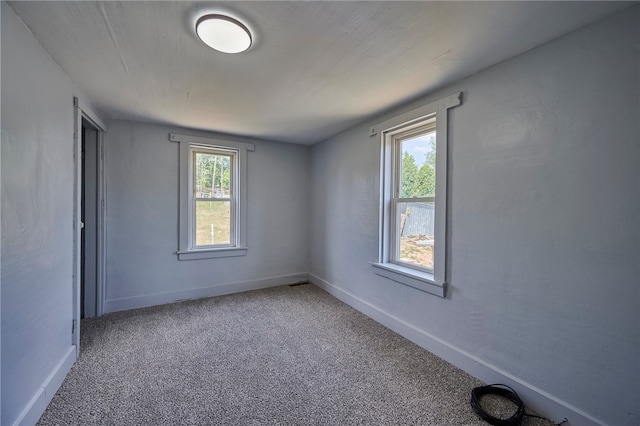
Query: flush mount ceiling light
(223, 33)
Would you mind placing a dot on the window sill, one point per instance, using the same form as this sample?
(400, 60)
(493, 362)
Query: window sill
(419, 280)
(212, 253)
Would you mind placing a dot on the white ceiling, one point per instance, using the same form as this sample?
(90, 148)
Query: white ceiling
(315, 68)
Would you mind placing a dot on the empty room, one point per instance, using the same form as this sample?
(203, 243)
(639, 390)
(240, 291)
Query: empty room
(329, 213)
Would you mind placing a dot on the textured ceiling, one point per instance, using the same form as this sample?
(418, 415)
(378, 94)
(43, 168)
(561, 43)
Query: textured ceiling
(315, 68)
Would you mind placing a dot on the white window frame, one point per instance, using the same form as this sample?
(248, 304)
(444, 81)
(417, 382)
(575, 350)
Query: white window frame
(214, 150)
(187, 250)
(435, 281)
(422, 127)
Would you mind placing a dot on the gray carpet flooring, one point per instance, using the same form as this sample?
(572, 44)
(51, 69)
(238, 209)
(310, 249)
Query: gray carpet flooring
(278, 356)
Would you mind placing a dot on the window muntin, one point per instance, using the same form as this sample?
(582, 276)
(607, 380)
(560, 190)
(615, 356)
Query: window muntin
(213, 199)
(413, 203)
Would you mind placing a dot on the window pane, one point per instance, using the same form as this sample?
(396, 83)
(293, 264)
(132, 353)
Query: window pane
(415, 221)
(213, 223)
(212, 175)
(418, 166)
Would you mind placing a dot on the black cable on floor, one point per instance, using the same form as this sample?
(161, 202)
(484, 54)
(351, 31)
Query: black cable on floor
(505, 392)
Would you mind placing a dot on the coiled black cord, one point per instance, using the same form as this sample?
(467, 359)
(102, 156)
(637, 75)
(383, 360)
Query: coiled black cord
(501, 390)
(505, 392)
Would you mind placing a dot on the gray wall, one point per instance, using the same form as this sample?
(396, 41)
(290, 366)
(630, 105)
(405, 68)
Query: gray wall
(543, 226)
(142, 220)
(37, 219)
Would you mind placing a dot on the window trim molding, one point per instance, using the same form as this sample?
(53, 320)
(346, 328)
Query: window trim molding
(436, 282)
(185, 252)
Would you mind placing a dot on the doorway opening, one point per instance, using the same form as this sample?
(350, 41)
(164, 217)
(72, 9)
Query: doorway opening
(89, 227)
(89, 218)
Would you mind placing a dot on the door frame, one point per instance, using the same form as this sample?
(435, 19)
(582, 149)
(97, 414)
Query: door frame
(83, 111)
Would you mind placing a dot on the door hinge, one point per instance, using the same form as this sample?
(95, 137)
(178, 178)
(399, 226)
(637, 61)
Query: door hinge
(73, 327)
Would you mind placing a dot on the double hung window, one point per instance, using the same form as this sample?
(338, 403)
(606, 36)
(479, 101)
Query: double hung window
(414, 197)
(213, 197)
(413, 201)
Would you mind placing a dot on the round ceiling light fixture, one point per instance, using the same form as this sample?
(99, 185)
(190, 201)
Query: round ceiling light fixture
(223, 33)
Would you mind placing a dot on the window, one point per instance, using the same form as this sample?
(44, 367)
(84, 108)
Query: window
(413, 201)
(212, 197)
(413, 192)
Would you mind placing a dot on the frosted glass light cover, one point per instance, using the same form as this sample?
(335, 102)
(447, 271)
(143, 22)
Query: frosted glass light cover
(223, 33)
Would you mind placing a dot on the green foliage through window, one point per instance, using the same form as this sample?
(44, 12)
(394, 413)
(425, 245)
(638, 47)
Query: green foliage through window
(212, 175)
(418, 181)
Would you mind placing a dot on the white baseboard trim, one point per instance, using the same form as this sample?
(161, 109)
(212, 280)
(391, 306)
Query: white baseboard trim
(533, 397)
(123, 304)
(43, 396)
